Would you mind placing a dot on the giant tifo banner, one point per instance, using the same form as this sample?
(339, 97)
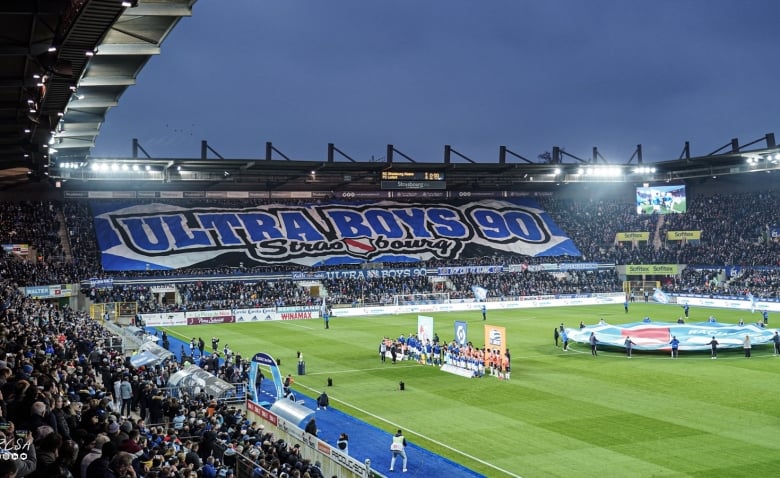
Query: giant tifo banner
(165, 236)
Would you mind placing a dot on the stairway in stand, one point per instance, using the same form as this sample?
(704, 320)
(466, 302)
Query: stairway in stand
(64, 238)
(657, 241)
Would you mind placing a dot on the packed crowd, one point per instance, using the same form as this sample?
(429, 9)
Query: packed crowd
(207, 295)
(72, 407)
(512, 285)
(735, 231)
(35, 224)
(353, 292)
(76, 407)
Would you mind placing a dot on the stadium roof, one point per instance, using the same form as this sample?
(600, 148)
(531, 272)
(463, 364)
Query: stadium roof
(65, 63)
(337, 172)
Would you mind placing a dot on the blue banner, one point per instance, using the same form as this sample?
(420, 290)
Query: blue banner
(163, 236)
(361, 274)
(461, 332)
(96, 283)
(462, 270)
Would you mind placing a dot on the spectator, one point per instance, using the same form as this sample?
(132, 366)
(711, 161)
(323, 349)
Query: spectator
(323, 401)
(343, 443)
(311, 427)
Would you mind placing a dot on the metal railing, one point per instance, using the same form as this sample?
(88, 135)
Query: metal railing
(234, 396)
(130, 342)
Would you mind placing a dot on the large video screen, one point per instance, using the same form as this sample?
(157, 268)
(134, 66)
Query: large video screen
(661, 199)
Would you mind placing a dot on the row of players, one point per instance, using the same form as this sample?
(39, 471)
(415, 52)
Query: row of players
(478, 361)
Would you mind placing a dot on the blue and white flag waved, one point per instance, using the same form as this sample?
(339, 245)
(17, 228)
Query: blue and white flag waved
(480, 293)
(660, 297)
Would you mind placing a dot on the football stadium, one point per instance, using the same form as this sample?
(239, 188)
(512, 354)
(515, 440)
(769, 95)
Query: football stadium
(216, 318)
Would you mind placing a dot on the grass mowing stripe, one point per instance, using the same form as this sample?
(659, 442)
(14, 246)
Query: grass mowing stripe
(687, 417)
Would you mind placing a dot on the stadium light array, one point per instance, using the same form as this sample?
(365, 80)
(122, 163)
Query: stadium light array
(600, 171)
(71, 165)
(755, 159)
(112, 167)
(644, 170)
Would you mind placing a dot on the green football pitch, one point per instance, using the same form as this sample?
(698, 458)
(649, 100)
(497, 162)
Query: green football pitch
(562, 414)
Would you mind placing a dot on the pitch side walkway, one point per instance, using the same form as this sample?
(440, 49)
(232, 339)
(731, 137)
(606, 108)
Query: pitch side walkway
(365, 441)
(369, 442)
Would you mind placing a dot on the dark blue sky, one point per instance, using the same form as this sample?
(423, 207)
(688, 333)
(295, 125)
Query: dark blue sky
(474, 74)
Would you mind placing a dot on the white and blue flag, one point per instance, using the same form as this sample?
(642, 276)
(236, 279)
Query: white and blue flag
(480, 293)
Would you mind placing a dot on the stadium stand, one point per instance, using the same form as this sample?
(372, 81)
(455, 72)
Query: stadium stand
(40, 342)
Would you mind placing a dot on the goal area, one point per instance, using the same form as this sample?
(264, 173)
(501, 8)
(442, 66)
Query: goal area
(425, 298)
(639, 287)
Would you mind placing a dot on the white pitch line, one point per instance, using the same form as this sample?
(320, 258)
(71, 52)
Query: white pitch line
(301, 326)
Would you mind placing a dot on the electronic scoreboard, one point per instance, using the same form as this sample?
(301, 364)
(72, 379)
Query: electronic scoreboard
(413, 180)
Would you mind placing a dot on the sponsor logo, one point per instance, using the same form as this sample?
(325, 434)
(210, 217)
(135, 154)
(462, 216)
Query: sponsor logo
(295, 315)
(351, 464)
(264, 359)
(460, 333)
(634, 269)
(210, 320)
(494, 338)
